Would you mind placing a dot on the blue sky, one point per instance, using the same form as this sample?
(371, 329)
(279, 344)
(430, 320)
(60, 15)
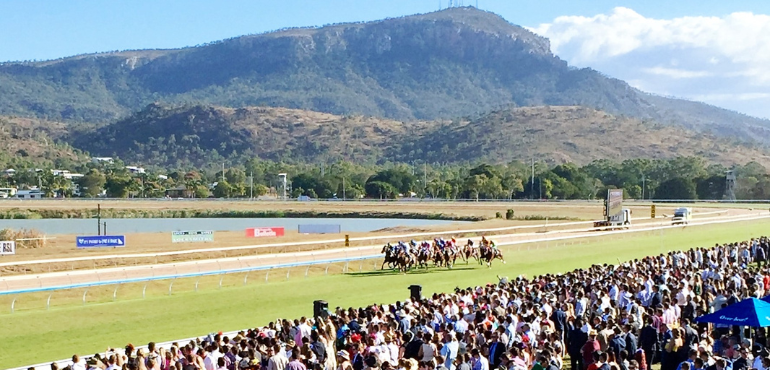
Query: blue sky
(679, 59)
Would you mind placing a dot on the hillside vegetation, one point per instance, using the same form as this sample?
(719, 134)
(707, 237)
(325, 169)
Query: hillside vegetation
(452, 63)
(28, 142)
(199, 135)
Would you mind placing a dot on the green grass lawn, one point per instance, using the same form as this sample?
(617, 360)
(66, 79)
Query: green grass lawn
(36, 335)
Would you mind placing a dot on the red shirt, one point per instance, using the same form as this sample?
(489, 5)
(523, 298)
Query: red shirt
(588, 350)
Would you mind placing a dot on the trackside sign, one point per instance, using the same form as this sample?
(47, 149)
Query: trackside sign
(100, 241)
(192, 236)
(259, 232)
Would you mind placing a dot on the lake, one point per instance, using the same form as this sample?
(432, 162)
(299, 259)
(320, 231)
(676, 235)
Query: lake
(150, 225)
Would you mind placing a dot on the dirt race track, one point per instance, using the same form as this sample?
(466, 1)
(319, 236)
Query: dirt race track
(87, 276)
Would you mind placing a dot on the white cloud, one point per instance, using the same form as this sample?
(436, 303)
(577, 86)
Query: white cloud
(676, 73)
(714, 59)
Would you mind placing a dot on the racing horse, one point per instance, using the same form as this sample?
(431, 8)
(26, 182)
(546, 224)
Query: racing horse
(423, 256)
(488, 254)
(390, 258)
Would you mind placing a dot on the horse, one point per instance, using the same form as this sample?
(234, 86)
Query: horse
(488, 254)
(390, 258)
(404, 261)
(423, 256)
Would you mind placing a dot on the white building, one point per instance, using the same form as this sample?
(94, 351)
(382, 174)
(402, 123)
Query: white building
(9, 172)
(102, 160)
(134, 169)
(29, 194)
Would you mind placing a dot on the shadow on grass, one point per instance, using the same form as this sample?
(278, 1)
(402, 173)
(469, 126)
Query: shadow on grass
(429, 270)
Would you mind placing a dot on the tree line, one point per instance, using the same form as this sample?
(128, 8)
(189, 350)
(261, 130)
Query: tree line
(676, 178)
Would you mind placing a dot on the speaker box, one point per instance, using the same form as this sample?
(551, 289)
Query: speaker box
(415, 291)
(321, 309)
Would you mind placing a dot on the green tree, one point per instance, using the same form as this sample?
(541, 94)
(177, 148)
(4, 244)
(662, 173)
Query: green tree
(676, 188)
(92, 184)
(381, 190)
(223, 189)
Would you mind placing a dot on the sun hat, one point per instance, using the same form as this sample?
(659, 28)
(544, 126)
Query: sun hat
(343, 354)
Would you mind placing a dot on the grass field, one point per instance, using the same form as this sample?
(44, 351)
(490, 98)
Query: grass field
(36, 335)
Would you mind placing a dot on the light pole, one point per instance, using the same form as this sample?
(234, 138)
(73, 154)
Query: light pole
(643, 185)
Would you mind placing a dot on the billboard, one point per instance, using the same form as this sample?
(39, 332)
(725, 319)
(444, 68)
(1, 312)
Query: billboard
(615, 204)
(192, 236)
(319, 229)
(258, 232)
(100, 241)
(7, 247)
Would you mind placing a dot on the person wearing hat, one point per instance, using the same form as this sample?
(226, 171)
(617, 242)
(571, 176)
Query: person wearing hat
(343, 361)
(93, 364)
(591, 346)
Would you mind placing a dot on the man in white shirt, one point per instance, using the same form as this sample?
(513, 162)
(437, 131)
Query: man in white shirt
(304, 328)
(77, 363)
(276, 361)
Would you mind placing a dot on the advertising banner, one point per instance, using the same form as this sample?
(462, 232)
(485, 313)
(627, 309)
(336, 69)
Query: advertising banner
(101, 241)
(259, 232)
(319, 229)
(7, 247)
(615, 204)
(192, 236)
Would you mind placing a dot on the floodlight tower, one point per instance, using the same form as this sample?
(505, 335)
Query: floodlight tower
(730, 185)
(282, 177)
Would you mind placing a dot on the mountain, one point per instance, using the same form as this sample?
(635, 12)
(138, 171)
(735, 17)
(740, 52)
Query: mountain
(200, 135)
(28, 142)
(459, 62)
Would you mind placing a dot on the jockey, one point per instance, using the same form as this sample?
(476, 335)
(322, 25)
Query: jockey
(493, 245)
(484, 241)
(470, 243)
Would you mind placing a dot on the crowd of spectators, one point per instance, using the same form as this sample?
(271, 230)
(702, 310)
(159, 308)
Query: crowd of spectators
(630, 316)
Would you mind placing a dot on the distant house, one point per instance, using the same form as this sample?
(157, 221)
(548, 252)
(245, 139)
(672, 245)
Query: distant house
(102, 160)
(9, 172)
(60, 172)
(179, 191)
(134, 169)
(162, 177)
(29, 194)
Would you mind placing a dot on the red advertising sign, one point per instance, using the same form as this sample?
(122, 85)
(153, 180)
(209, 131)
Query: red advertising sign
(258, 232)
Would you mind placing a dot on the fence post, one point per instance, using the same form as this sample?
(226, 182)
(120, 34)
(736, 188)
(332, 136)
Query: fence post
(327, 270)
(48, 302)
(307, 270)
(84, 296)
(196, 284)
(144, 290)
(115, 293)
(13, 304)
(170, 286)
(245, 278)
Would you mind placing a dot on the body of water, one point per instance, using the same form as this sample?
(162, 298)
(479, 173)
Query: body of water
(117, 226)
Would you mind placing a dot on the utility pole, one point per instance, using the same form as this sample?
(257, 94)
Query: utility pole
(251, 183)
(223, 171)
(425, 178)
(343, 188)
(643, 186)
(532, 186)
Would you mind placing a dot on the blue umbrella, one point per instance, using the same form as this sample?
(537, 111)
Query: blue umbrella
(748, 312)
